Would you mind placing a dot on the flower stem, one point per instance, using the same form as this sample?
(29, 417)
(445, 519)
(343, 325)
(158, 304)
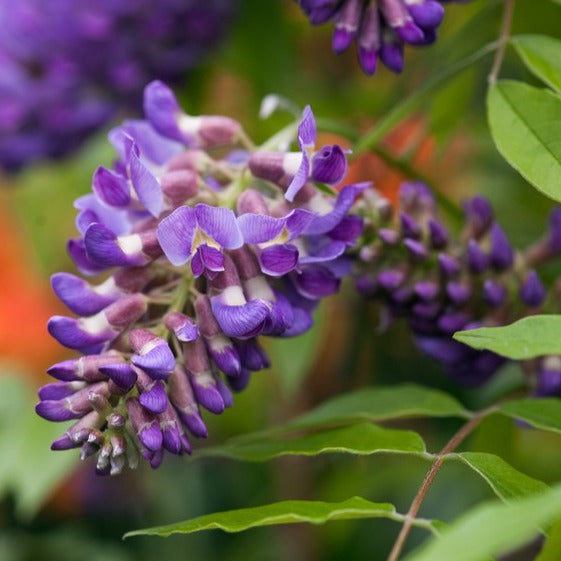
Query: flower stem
(506, 25)
(403, 109)
(452, 444)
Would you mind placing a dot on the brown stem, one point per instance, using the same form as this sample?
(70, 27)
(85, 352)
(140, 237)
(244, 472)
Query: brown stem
(452, 444)
(503, 41)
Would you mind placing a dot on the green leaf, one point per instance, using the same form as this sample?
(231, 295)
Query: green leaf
(542, 56)
(507, 483)
(492, 529)
(551, 550)
(285, 512)
(525, 125)
(526, 338)
(375, 404)
(542, 413)
(410, 104)
(28, 467)
(363, 439)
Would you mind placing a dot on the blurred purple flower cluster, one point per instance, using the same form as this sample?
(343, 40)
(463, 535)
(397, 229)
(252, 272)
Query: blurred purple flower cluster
(442, 283)
(69, 65)
(204, 243)
(381, 28)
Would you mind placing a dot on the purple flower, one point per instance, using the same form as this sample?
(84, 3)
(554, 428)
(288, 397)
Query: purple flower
(293, 169)
(68, 67)
(380, 29)
(479, 280)
(199, 234)
(162, 340)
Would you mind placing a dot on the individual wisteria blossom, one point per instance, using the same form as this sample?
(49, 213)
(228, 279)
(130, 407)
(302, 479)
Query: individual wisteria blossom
(199, 256)
(441, 283)
(380, 28)
(69, 65)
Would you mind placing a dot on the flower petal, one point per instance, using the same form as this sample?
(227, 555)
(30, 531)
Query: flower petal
(146, 185)
(241, 321)
(175, 234)
(329, 165)
(277, 260)
(220, 224)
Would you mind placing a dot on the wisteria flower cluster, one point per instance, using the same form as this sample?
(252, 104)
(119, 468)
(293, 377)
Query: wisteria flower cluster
(204, 244)
(442, 284)
(380, 28)
(69, 65)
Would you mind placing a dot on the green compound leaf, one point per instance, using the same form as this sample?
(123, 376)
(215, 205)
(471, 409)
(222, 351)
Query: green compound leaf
(543, 413)
(492, 529)
(507, 482)
(525, 124)
(526, 338)
(542, 56)
(362, 439)
(375, 404)
(285, 512)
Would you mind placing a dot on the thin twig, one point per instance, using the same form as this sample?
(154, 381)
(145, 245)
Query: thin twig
(452, 444)
(506, 25)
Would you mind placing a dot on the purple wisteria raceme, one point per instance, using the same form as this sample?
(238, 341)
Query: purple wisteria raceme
(200, 256)
(69, 65)
(380, 28)
(442, 283)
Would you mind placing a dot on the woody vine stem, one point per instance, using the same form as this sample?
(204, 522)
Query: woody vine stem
(466, 429)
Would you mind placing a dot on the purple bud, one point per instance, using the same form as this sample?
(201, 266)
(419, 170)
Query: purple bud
(329, 165)
(153, 397)
(126, 311)
(152, 353)
(81, 297)
(202, 381)
(59, 390)
(145, 425)
(554, 240)
(494, 293)
(391, 279)
(369, 39)
(78, 432)
(409, 227)
(532, 291)
(240, 382)
(122, 374)
(183, 399)
(417, 249)
(458, 292)
(477, 260)
(389, 237)
(452, 322)
(426, 310)
(347, 21)
(427, 13)
(449, 266)
(179, 186)
(391, 53)
(426, 290)
(502, 254)
(549, 377)
(184, 328)
(252, 355)
(85, 368)
(438, 235)
(479, 214)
